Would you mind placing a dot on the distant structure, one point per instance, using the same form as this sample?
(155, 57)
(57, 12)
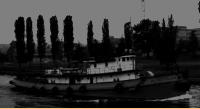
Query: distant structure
(143, 8)
(184, 32)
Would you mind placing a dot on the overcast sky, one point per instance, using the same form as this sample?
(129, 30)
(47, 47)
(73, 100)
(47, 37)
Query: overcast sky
(118, 12)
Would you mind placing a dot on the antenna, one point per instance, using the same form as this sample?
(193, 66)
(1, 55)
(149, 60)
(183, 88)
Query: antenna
(143, 7)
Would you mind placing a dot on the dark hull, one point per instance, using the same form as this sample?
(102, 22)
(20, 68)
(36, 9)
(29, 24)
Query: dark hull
(155, 91)
(159, 91)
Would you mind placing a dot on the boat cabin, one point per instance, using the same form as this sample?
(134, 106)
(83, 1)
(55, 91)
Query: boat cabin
(121, 63)
(97, 72)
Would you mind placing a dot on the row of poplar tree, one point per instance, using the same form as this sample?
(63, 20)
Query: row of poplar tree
(29, 46)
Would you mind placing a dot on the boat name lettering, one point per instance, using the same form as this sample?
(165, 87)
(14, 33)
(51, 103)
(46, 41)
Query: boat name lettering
(161, 79)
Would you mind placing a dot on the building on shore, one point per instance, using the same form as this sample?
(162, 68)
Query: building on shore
(184, 33)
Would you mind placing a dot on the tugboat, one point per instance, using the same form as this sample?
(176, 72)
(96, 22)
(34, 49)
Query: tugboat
(118, 78)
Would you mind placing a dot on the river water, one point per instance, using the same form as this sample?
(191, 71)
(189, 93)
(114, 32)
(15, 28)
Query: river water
(11, 97)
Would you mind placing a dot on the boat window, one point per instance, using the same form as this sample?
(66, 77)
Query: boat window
(131, 58)
(106, 64)
(95, 65)
(123, 59)
(127, 58)
(78, 79)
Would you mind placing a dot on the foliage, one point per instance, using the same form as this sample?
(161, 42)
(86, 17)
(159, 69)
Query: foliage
(181, 46)
(20, 43)
(121, 46)
(167, 53)
(97, 50)
(54, 37)
(90, 39)
(61, 50)
(30, 42)
(11, 51)
(143, 37)
(106, 46)
(193, 43)
(155, 33)
(79, 52)
(68, 37)
(41, 38)
(127, 34)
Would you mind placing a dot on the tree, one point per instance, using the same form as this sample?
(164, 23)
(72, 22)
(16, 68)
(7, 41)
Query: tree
(60, 52)
(106, 46)
(41, 39)
(20, 43)
(54, 38)
(30, 42)
(127, 35)
(97, 50)
(90, 39)
(155, 33)
(78, 53)
(121, 46)
(11, 51)
(193, 43)
(68, 38)
(181, 46)
(143, 38)
(167, 52)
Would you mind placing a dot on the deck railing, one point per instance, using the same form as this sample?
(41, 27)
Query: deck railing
(113, 69)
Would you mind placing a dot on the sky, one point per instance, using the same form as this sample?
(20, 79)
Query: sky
(118, 12)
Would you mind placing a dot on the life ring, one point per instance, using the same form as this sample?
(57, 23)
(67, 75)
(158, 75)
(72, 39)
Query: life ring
(43, 89)
(55, 90)
(11, 82)
(69, 90)
(119, 87)
(82, 88)
(33, 88)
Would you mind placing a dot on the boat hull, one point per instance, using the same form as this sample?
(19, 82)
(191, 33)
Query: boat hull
(150, 88)
(159, 91)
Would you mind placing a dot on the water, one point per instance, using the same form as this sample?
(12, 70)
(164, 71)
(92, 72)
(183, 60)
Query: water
(11, 97)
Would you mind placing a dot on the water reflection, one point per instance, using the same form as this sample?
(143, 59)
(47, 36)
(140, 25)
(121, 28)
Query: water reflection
(11, 97)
